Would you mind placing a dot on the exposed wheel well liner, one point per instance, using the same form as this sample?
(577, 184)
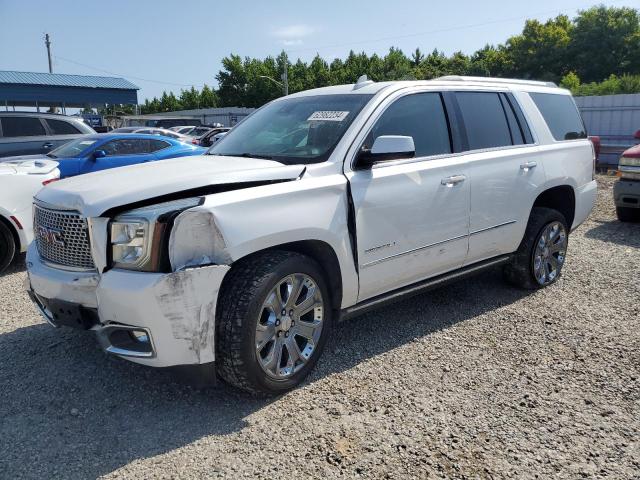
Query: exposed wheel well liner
(322, 253)
(561, 198)
(13, 231)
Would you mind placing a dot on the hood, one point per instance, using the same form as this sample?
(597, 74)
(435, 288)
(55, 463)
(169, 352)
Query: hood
(633, 152)
(95, 193)
(27, 164)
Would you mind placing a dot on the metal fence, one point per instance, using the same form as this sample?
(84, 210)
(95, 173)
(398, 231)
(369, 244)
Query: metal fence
(615, 119)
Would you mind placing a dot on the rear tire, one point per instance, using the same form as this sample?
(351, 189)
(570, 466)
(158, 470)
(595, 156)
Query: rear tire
(7, 246)
(626, 214)
(265, 344)
(539, 259)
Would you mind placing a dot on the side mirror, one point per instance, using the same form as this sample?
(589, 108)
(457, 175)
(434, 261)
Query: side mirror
(99, 154)
(637, 135)
(387, 147)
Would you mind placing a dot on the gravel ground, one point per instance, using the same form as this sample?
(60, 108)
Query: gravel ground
(475, 380)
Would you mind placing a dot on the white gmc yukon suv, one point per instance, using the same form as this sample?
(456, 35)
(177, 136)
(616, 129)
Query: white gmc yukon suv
(318, 206)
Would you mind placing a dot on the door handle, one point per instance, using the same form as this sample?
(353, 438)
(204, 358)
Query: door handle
(47, 145)
(528, 165)
(453, 180)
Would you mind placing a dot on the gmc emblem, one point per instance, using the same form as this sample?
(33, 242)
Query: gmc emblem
(50, 236)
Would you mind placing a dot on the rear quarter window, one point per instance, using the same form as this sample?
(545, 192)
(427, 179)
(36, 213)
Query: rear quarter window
(561, 115)
(60, 127)
(155, 145)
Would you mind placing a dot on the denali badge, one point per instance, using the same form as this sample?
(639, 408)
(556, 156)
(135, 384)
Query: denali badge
(50, 236)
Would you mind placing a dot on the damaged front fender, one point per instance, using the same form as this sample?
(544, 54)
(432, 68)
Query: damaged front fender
(197, 240)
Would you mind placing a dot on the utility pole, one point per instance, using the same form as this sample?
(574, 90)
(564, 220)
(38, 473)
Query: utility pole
(285, 75)
(47, 42)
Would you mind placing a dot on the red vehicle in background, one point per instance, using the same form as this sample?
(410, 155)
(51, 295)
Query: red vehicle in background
(626, 191)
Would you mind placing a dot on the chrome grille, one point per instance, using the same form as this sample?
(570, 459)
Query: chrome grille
(62, 238)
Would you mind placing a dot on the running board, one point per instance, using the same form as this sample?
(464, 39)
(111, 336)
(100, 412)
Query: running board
(423, 286)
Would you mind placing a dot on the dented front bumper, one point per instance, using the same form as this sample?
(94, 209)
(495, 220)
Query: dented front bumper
(177, 310)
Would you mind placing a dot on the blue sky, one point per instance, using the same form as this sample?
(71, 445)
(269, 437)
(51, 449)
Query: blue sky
(165, 45)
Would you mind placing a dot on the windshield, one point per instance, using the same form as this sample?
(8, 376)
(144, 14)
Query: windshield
(71, 149)
(293, 130)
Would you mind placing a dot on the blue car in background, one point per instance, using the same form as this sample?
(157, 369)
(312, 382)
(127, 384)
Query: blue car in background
(92, 153)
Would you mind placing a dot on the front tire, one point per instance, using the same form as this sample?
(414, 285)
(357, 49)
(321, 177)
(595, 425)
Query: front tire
(274, 317)
(541, 255)
(626, 214)
(7, 246)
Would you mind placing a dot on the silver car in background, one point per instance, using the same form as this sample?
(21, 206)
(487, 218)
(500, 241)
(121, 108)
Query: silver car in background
(33, 133)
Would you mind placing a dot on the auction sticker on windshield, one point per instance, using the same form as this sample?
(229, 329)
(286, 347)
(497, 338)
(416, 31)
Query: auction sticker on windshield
(328, 116)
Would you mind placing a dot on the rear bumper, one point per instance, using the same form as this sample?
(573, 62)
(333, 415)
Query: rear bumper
(176, 310)
(626, 193)
(585, 200)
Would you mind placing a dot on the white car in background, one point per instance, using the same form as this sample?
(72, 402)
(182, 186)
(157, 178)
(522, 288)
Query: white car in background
(182, 129)
(20, 180)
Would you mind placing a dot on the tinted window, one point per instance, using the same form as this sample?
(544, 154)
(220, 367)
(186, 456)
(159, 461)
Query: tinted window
(22, 127)
(484, 120)
(561, 115)
(155, 145)
(420, 116)
(58, 127)
(132, 146)
(514, 128)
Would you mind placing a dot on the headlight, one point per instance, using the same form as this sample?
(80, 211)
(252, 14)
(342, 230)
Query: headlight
(129, 239)
(138, 240)
(630, 162)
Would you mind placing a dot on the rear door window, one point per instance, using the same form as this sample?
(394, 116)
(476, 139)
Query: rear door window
(22, 127)
(514, 128)
(59, 127)
(485, 120)
(561, 115)
(421, 116)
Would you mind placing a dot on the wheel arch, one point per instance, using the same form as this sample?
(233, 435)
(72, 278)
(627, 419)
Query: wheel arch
(14, 232)
(561, 198)
(324, 255)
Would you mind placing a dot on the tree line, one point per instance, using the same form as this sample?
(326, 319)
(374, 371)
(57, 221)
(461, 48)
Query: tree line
(595, 53)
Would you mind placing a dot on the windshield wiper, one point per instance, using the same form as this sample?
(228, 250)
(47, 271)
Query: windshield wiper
(244, 155)
(51, 155)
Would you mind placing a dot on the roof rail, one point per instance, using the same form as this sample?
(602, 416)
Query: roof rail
(460, 78)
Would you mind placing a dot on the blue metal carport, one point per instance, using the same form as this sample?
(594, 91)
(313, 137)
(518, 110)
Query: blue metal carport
(31, 89)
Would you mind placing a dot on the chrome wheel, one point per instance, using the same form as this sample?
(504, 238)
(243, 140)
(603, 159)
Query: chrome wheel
(549, 253)
(289, 325)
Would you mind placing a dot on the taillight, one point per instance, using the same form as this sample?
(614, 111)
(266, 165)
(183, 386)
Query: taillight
(595, 139)
(51, 180)
(595, 147)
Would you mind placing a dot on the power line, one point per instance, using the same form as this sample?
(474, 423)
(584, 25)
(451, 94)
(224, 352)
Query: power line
(68, 60)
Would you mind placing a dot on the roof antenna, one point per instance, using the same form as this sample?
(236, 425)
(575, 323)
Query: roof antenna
(362, 81)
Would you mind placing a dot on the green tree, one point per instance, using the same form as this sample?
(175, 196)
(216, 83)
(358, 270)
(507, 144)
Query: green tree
(541, 51)
(570, 81)
(605, 41)
(600, 47)
(208, 97)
